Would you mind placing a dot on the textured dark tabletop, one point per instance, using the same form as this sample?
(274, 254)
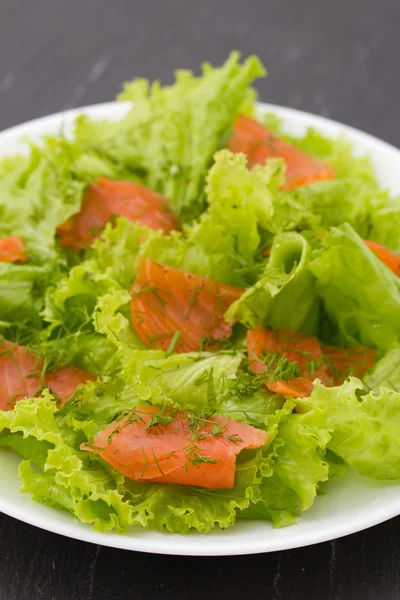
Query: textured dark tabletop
(340, 59)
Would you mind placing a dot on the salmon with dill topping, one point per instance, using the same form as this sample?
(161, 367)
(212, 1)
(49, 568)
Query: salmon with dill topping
(289, 361)
(259, 144)
(64, 381)
(168, 302)
(302, 352)
(343, 362)
(163, 445)
(107, 198)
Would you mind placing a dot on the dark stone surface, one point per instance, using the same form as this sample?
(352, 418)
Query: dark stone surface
(339, 59)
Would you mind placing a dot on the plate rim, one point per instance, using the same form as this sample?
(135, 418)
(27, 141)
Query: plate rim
(144, 543)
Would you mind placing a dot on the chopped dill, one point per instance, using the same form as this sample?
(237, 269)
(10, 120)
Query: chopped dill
(144, 290)
(193, 300)
(144, 462)
(198, 459)
(279, 368)
(156, 461)
(162, 418)
(233, 438)
(174, 342)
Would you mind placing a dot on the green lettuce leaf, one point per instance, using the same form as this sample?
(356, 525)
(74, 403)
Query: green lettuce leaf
(285, 293)
(360, 294)
(385, 373)
(192, 381)
(364, 428)
(22, 289)
(330, 203)
(172, 133)
(300, 465)
(116, 251)
(248, 401)
(83, 348)
(178, 509)
(70, 337)
(297, 449)
(72, 301)
(42, 189)
(97, 404)
(226, 243)
(241, 200)
(385, 225)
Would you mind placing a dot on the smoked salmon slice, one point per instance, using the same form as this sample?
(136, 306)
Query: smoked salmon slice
(64, 381)
(169, 304)
(259, 144)
(388, 257)
(12, 249)
(107, 198)
(163, 445)
(343, 362)
(21, 376)
(301, 359)
(294, 355)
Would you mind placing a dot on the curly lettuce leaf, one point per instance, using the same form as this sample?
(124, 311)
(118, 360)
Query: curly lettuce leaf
(285, 293)
(385, 373)
(72, 301)
(364, 428)
(83, 348)
(248, 401)
(360, 294)
(226, 242)
(97, 404)
(241, 200)
(192, 381)
(22, 289)
(297, 449)
(178, 509)
(171, 134)
(332, 203)
(385, 225)
(70, 337)
(42, 189)
(118, 248)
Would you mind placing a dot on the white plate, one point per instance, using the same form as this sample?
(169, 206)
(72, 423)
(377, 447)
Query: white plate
(352, 504)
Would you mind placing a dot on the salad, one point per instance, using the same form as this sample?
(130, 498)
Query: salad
(199, 314)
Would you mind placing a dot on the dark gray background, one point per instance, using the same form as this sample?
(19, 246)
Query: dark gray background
(335, 58)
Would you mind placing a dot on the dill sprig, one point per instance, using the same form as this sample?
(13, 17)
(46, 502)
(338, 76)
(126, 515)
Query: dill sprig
(163, 418)
(193, 300)
(280, 368)
(173, 343)
(156, 461)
